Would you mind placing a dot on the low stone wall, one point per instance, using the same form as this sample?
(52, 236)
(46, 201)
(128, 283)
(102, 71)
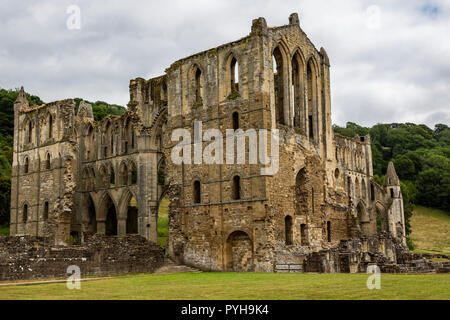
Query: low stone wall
(28, 257)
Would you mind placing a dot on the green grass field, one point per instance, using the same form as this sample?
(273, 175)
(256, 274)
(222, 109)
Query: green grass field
(234, 286)
(163, 221)
(430, 230)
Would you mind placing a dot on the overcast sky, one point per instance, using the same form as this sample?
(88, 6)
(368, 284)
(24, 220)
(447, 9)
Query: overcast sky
(390, 60)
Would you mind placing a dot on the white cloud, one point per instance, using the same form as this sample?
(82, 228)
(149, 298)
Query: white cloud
(397, 71)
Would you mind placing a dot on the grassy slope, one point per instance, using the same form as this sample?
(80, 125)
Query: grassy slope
(242, 286)
(430, 230)
(163, 221)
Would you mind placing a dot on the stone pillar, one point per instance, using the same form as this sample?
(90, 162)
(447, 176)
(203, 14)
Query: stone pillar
(101, 227)
(121, 226)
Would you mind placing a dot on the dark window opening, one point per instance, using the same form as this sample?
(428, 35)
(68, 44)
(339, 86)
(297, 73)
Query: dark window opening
(125, 147)
(288, 230)
(134, 174)
(310, 124)
(372, 192)
(112, 178)
(392, 193)
(50, 127)
(234, 69)
(112, 144)
(236, 188)
(278, 81)
(47, 162)
(25, 213)
(132, 217)
(328, 231)
(26, 165)
(198, 94)
(30, 132)
(197, 195)
(297, 72)
(45, 216)
(235, 120)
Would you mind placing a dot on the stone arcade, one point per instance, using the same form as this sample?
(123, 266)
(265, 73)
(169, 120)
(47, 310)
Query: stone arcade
(74, 177)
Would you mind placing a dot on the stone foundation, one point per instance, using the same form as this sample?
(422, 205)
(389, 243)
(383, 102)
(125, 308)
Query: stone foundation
(29, 257)
(355, 255)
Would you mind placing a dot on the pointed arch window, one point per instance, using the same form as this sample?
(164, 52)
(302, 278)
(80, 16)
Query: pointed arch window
(235, 120)
(196, 192)
(30, 132)
(312, 98)
(236, 188)
(134, 175)
(279, 84)
(25, 213)
(297, 88)
(196, 83)
(47, 162)
(26, 166)
(233, 69)
(288, 230)
(46, 209)
(50, 126)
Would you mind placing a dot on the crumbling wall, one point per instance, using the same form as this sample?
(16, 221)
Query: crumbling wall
(28, 257)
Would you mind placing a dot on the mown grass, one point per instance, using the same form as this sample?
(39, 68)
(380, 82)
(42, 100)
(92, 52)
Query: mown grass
(430, 230)
(235, 286)
(163, 221)
(4, 230)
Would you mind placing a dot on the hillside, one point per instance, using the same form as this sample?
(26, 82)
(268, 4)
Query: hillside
(430, 230)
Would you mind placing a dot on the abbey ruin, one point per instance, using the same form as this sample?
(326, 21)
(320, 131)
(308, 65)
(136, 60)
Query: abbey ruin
(74, 177)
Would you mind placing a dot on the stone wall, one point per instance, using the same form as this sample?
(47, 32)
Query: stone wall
(28, 257)
(355, 255)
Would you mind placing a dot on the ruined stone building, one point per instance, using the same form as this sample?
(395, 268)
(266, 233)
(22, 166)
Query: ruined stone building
(73, 176)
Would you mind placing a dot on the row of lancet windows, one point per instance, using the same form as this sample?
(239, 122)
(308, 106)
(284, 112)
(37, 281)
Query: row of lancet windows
(25, 213)
(197, 82)
(127, 175)
(236, 191)
(26, 163)
(359, 189)
(356, 159)
(302, 114)
(109, 148)
(28, 138)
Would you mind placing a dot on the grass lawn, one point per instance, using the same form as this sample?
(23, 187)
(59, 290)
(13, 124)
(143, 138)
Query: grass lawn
(163, 221)
(4, 230)
(242, 286)
(430, 230)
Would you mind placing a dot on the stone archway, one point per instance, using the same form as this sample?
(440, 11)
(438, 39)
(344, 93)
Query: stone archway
(90, 215)
(363, 218)
(110, 214)
(382, 224)
(239, 252)
(132, 216)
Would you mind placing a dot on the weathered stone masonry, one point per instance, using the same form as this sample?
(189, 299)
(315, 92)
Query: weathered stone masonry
(108, 177)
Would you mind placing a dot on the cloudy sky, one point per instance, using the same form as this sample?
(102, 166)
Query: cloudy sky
(390, 59)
